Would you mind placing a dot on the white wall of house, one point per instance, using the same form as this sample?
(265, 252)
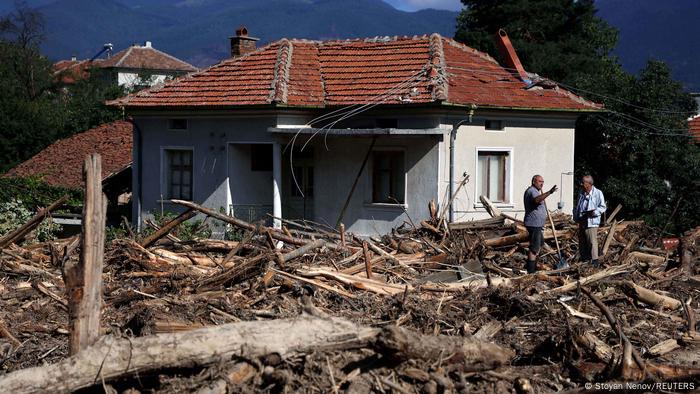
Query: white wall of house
(337, 168)
(532, 145)
(222, 173)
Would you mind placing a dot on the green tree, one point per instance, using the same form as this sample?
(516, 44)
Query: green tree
(83, 105)
(638, 151)
(35, 110)
(28, 114)
(555, 38)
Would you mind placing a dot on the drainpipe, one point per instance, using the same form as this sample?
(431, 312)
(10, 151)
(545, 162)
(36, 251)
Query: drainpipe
(453, 136)
(136, 175)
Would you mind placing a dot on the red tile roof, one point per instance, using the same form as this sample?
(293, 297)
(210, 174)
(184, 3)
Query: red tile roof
(694, 126)
(399, 70)
(146, 57)
(70, 71)
(61, 163)
(137, 57)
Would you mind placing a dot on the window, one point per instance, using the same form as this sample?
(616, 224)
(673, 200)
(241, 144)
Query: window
(178, 174)
(388, 177)
(177, 124)
(261, 157)
(494, 125)
(493, 173)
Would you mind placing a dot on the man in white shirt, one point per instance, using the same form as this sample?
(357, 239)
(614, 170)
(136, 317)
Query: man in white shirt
(587, 213)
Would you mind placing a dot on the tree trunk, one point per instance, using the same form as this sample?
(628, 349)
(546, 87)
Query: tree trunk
(115, 357)
(83, 279)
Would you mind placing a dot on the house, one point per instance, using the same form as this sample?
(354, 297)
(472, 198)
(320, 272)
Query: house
(61, 163)
(136, 66)
(298, 127)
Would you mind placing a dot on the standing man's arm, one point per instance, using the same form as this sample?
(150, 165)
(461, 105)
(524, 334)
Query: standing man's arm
(546, 194)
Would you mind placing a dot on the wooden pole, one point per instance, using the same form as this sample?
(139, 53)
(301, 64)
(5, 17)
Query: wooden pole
(354, 184)
(84, 278)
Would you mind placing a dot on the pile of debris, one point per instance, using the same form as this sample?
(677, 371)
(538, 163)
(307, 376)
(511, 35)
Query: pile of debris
(432, 307)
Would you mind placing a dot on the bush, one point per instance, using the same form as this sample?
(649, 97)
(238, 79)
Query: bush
(35, 194)
(14, 214)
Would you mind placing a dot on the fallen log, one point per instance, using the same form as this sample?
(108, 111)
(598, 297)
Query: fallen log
(614, 270)
(595, 346)
(114, 357)
(240, 223)
(167, 228)
(651, 297)
(464, 354)
(17, 235)
(523, 236)
(664, 347)
(646, 258)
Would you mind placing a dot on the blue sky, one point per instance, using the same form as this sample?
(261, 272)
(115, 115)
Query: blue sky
(414, 5)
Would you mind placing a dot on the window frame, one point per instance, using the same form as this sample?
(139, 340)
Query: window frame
(164, 169)
(508, 182)
(371, 169)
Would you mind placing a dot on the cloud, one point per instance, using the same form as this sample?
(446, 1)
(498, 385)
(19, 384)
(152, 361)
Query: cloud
(414, 5)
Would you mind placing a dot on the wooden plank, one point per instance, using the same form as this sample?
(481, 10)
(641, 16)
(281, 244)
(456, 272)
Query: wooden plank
(613, 214)
(608, 239)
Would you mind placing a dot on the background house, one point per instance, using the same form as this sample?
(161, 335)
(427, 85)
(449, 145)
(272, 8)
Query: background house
(136, 66)
(284, 130)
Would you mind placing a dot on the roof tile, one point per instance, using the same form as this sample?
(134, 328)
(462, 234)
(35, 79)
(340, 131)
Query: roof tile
(61, 163)
(400, 70)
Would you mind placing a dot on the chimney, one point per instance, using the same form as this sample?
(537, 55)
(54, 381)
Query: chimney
(147, 44)
(241, 44)
(510, 56)
(74, 58)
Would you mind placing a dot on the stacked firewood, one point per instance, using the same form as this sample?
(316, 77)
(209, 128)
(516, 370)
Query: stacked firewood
(431, 307)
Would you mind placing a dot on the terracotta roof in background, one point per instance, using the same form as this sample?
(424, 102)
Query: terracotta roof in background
(140, 57)
(148, 58)
(694, 126)
(61, 163)
(72, 70)
(399, 70)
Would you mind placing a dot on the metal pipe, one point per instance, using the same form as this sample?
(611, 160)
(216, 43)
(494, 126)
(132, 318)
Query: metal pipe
(453, 136)
(560, 205)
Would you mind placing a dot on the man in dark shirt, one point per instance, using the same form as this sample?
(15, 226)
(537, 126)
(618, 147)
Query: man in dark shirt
(535, 217)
